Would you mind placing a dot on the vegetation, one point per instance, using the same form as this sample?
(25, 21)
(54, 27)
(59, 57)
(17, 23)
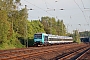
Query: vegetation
(76, 36)
(51, 26)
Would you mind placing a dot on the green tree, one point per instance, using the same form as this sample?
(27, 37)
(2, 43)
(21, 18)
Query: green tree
(9, 18)
(61, 29)
(76, 36)
(4, 26)
(35, 26)
(58, 27)
(46, 23)
(51, 26)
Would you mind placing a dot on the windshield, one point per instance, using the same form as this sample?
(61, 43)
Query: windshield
(38, 36)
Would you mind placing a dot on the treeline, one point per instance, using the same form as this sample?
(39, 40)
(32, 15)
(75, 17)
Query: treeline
(47, 25)
(53, 26)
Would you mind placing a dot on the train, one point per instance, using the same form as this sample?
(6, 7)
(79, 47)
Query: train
(49, 39)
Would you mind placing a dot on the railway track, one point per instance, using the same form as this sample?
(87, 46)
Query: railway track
(71, 54)
(74, 55)
(43, 53)
(85, 55)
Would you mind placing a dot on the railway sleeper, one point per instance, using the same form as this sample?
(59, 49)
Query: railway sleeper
(74, 55)
(66, 53)
(82, 54)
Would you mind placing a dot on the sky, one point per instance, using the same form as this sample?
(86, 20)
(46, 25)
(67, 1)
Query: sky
(75, 13)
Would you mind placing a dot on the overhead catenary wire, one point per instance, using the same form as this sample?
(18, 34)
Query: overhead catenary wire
(39, 8)
(81, 11)
(83, 4)
(49, 8)
(84, 8)
(46, 4)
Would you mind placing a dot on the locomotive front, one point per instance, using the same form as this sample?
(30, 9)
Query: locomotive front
(38, 39)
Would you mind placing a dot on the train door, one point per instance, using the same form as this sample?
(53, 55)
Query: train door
(46, 39)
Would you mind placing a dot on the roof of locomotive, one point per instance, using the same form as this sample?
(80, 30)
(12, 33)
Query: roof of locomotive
(42, 33)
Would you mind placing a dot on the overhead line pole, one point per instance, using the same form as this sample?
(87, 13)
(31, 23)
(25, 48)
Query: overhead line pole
(26, 28)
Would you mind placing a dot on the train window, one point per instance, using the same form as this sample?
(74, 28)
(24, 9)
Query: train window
(54, 39)
(38, 36)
